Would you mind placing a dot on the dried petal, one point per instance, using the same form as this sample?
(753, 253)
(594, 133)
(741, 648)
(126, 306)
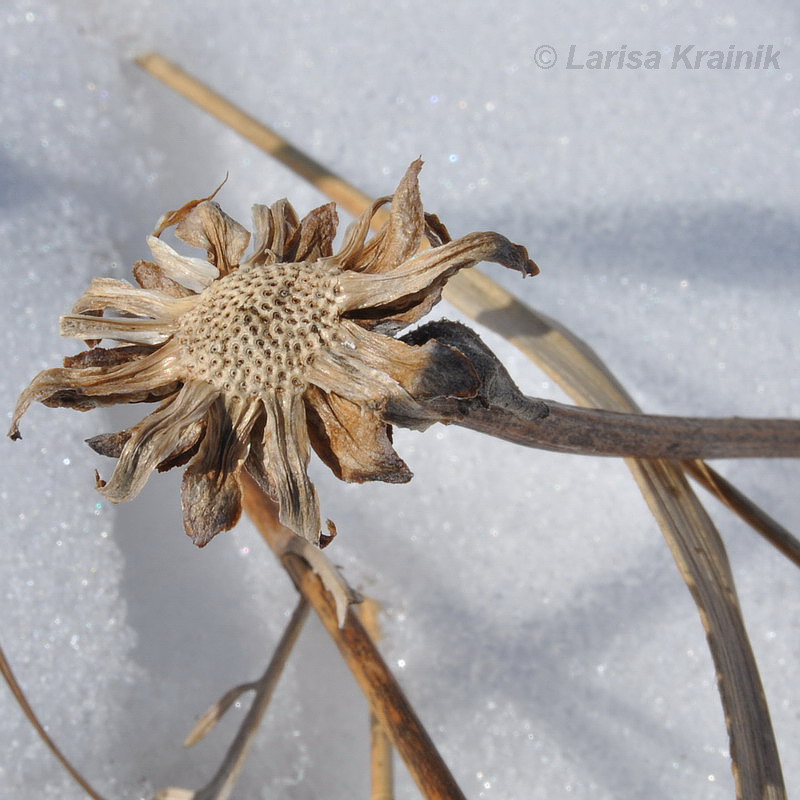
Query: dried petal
(150, 276)
(353, 442)
(285, 448)
(313, 239)
(425, 269)
(138, 331)
(402, 235)
(211, 493)
(193, 273)
(349, 255)
(146, 379)
(224, 239)
(109, 356)
(106, 293)
(154, 439)
(273, 226)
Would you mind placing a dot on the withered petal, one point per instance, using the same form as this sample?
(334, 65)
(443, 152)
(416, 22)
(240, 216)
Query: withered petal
(155, 438)
(435, 231)
(109, 356)
(193, 273)
(424, 270)
(273, 226)
(349, 255)
(284, 451)
(313, 238)
(177, 215)
(210, 491)
(150, 276)
(110, 444)
(91, 328)
(207, 226)
(147, 378)
(354, 443)
(401, 236)
(104, 293)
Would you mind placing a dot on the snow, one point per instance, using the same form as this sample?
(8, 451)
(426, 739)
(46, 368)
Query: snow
(533, 612)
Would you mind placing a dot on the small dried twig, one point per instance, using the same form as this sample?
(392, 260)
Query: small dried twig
(385, 697)
(380, 744)
(221, 785)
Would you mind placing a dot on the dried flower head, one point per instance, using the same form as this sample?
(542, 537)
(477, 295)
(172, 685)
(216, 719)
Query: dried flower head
(253, 359)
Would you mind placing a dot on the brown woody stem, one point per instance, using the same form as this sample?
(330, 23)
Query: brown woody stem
(380, 744)
(571, 429)
(383, 693)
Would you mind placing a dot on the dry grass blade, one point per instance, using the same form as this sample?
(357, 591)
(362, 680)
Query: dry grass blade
(19, 695)
(380, 745)
(695, 543)
(385, 697)
(756, 517)
(223, 782)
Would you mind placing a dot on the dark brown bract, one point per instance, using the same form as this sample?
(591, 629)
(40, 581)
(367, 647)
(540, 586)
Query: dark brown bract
(254, 359)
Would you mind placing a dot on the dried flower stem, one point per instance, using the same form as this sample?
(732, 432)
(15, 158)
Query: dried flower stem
(385, 697)
(380, 744)
(570, 429)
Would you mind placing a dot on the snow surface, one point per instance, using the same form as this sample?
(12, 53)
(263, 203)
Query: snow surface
(534, 614)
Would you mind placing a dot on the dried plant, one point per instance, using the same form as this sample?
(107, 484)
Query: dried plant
(255, 359)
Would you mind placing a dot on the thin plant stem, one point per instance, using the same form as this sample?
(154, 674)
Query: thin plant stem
(381, 771)
(547, 425)
(743, 506)
(384, 695)
(223, 782)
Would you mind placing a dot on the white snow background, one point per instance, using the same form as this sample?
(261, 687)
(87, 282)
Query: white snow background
(533, 611)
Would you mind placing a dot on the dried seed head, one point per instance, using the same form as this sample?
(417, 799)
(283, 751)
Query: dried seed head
(259, 328)
(255, 360)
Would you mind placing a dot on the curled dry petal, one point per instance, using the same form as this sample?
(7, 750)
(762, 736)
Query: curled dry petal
(125, 329)
(154, 439)
(208, 227)
(273, 226)
(106, 293)
(211, 493)
(150, 276)
(193, 273)
(402, 235)
(313, 238)
(355, 443)
(285, 447)
(82, 388)
(424, 270)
